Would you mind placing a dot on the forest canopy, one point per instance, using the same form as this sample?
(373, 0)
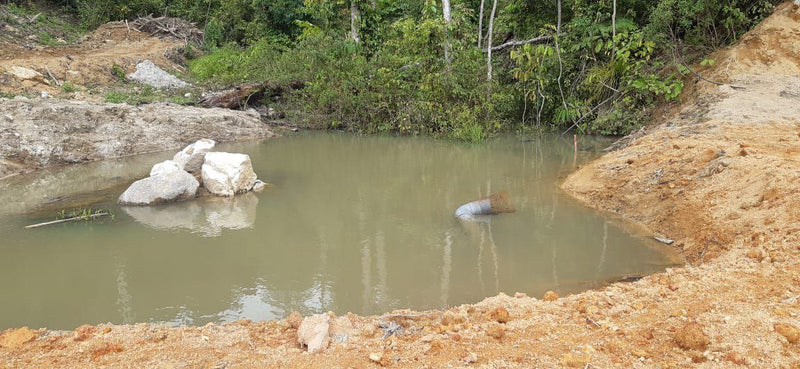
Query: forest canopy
(462, 69)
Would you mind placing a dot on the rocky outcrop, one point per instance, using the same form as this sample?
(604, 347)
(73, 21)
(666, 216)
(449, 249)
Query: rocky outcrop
(36, 133)
(161, 188)
(223, 174)
(226, 174)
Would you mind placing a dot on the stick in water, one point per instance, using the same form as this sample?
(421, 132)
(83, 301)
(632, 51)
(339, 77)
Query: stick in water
(80, 217)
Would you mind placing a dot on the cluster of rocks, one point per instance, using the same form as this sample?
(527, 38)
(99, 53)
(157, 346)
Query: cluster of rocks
(193, 169)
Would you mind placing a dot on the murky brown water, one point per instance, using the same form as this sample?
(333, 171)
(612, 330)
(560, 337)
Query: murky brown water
(360, 224)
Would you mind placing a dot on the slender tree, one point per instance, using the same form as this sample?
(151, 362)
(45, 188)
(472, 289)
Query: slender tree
(447, 20)
(489, 41)
(355, 15)
(614, 19)
(480, 25)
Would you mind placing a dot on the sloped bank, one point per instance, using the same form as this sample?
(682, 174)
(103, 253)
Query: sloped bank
(36, 133)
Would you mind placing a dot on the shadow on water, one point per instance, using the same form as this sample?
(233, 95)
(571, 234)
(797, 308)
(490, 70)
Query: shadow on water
(361, 224)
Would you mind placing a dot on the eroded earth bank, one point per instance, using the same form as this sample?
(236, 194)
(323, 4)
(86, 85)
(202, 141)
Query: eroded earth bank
(720, 174)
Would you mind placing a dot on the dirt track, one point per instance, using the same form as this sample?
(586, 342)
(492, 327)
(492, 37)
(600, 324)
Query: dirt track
(720, 175)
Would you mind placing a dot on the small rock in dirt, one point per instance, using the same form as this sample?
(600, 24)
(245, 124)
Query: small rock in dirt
(151, 75)
(520, 295)
(294, 319)
(574, 360)
(471, 358)
(450, 318)
(27, 74)
(496, 331)
(500, 315)
(691, 337)
(16, 337)
(105, 349)
(736, 358)
(791, 332)
(755, 254)
(313, 332)
(84, 332)
(376, 357)
(74, 77)
(550, 296)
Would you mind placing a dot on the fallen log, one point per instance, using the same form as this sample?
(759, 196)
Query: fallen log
(247, 95)
(235, 98)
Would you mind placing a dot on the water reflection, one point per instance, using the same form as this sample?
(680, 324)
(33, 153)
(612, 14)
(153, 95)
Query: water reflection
(207, 216)
(361, 224)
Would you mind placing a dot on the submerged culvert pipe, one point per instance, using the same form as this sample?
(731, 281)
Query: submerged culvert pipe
(490, 205)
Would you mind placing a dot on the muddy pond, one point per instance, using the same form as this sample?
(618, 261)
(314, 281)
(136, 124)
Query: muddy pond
(350, 224)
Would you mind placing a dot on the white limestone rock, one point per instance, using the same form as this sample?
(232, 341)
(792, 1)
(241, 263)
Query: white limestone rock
(164, 167)
(226, 174)
(191, 157)
(161, 188)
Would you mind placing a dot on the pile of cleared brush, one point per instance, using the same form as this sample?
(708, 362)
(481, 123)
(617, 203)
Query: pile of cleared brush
(169, 27)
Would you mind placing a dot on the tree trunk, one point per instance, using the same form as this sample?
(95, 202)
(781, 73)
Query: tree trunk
(614, 20)
(489, 41)
(558, 23)
(480, 26)
(447, 19)
(355, 14)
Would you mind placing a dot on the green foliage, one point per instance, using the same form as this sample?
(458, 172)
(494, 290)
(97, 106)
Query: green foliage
(68, 87)
(118, 72)
(706, 23)
(394, 78)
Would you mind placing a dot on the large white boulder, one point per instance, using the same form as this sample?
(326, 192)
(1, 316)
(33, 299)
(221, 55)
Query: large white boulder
(164, 167)
(191, 157)
(226, 174)
(161, 188)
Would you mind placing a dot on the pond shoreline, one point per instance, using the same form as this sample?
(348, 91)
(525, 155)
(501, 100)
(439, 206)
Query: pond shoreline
(719, 175)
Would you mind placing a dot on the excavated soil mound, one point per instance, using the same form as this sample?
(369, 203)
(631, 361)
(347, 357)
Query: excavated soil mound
(90, 62)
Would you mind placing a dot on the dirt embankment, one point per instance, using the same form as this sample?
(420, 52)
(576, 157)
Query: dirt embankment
(720, 176)
(36, 133)
(39, 132)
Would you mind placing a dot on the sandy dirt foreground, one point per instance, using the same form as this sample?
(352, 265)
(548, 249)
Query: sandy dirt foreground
(720, 175)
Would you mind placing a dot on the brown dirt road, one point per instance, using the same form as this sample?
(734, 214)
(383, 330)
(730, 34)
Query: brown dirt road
(720, 175)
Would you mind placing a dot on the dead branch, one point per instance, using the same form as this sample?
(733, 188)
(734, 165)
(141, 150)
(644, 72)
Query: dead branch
(80, 217)
(170, 27)
(51, 76)
(512, 43)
